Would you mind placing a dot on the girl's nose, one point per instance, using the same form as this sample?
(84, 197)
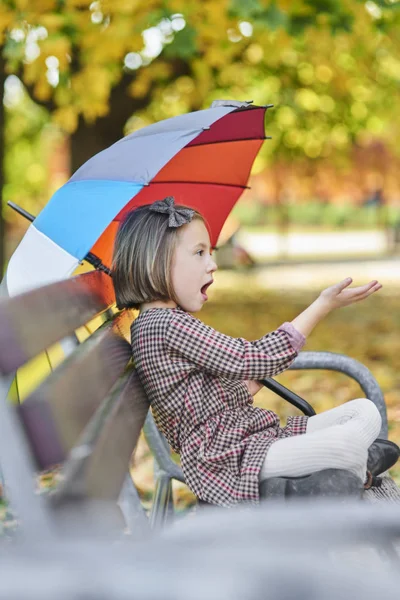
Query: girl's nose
(212, 265)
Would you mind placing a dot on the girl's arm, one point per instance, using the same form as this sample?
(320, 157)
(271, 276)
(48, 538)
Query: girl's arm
(220, 355)
(333, 297)
(254, 387)
(239, 359)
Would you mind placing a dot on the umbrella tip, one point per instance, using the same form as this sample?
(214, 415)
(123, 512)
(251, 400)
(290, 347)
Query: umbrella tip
(234, 103)
(21, 211)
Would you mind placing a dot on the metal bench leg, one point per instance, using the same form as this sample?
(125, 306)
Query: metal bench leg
(162, 508)
(133, 511)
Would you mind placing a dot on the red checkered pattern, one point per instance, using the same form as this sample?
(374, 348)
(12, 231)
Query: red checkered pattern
(195, 378)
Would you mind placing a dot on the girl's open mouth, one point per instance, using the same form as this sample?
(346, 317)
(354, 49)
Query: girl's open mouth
(204, 290)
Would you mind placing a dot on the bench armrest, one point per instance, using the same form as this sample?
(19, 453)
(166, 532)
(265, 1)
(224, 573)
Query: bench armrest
(160, 449)
(289, 396)
(332, 361)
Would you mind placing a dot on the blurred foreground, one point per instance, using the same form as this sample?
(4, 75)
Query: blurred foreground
(324, 552)
(295, 549)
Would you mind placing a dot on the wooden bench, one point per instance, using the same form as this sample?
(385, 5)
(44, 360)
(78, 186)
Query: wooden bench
(88, 414)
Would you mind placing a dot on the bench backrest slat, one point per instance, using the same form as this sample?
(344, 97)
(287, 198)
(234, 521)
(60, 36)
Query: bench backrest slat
(98, 464)
(88, 414)
(57, 412)
(35, 320)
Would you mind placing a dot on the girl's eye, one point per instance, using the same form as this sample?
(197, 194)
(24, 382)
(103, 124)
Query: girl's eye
(200, 252)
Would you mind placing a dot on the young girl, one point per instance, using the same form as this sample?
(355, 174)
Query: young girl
(201, 383)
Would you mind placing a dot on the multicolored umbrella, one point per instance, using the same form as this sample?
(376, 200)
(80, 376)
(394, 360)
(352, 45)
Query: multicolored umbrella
(203, 159)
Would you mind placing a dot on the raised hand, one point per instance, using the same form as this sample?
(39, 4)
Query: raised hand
(341, 295)
(333, 297)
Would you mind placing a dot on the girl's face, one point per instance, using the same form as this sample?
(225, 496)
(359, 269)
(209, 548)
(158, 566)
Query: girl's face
(193, 266)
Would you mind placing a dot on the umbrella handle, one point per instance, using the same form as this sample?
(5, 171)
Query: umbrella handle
(95, 261)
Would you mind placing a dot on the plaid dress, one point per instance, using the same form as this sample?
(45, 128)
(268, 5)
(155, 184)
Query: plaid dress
(195, 378)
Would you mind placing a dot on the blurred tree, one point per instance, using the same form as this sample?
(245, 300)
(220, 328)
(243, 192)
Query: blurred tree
(106, 67)
(94, 64)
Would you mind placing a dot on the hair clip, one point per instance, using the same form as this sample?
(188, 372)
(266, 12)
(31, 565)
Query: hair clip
(177, 216)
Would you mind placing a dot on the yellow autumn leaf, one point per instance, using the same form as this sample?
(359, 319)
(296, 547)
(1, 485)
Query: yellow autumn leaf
(42, 89)
(56, 45)
(63, 95)
(177, 6)
(81, 4)
(67, 118)
(92, 82)
(52, 21)
(110, 50)
(160, 70)
(125, 6)
(22, 5)
(140, 86)
(93, 110)
(6, 19)
(33, 70)
(202, 72)
(216, 57)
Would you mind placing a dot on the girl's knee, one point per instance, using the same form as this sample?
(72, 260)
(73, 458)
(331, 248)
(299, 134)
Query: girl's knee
(367, 410)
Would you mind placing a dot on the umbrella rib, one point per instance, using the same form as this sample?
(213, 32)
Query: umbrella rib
(251, 139)
(242, 187)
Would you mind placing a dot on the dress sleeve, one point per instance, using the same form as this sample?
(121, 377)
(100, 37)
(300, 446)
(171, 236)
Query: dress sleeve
(233, 358)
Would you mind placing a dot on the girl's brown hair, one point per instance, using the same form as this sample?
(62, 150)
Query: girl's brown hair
(143, 252)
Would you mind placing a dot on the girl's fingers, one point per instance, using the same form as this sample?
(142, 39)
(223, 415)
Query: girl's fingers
(339, 287)
(371, 285)
(362, 289)
(367, 293)
(375, 288)
(347, 296)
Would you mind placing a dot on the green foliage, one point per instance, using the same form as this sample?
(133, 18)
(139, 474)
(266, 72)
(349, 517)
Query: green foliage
(245, 10)
(183, 45)
(315, 214)
(388, 4)
(273, 17)
(330, 67)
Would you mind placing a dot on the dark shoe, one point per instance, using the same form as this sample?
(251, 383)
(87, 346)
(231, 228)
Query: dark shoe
(382, 455)
(326, 483)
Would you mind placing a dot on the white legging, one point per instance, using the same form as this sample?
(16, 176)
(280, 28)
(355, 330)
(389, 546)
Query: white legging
(335, 439)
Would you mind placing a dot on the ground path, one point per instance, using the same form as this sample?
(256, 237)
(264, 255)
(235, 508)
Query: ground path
(314, 260)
